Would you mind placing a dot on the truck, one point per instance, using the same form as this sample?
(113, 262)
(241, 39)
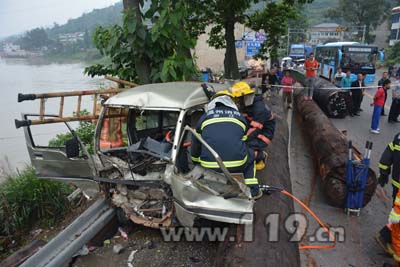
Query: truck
(299, 51)
(141, 161)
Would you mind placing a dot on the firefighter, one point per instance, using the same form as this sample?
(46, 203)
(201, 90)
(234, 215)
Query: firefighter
(394, 222)
(224, 129)
(389, 236)
(260, 119)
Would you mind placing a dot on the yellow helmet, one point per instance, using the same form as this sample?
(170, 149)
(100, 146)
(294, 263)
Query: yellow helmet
(241, 89)
(221, 93)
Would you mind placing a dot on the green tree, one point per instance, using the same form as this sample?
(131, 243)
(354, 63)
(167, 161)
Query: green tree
(224, 14)
(273, 20)
(152, 45)
(34, 39)
(360, 13)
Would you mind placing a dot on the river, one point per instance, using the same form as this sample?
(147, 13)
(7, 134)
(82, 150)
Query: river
(27, 76)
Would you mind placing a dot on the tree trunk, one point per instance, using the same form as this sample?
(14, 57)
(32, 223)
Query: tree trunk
(330, 150)
(142, 64)
(230, 62)
(270, 245)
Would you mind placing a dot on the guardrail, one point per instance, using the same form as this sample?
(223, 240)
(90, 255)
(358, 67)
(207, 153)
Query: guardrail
(59, 251)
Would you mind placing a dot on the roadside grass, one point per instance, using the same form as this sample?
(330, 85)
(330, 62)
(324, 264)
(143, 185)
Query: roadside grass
(27, 202)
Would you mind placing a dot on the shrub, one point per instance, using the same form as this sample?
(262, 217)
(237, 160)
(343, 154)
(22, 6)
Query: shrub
(26, 200)
(85, 131)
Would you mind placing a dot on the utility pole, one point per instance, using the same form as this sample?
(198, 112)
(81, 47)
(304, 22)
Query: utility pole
(363, 36)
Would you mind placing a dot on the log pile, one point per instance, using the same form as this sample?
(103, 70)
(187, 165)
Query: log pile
(330, 151)
(263, 251)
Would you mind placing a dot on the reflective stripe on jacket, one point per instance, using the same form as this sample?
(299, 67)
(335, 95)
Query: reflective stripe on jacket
(390, 161)
(262, 124)
(224, 129)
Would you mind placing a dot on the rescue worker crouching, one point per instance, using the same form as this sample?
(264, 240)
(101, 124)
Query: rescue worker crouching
(260, 119)
(224, 129)
(389, 236)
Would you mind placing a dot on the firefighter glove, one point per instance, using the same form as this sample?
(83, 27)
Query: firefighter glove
(383, 179)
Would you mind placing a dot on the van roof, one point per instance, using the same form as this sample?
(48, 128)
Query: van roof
(171, 95)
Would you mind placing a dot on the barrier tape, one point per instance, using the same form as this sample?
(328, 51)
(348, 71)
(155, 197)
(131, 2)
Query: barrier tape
(324, 88)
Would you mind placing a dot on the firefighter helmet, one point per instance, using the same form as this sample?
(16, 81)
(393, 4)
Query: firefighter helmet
(221, 93)
(241, 89)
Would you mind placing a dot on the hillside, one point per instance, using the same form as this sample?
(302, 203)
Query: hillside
(315, 12)
(89, 21)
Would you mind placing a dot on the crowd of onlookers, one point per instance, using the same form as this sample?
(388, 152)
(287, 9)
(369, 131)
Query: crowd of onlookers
(355, 91)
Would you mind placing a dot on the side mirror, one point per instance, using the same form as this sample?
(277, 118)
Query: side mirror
(72, 148)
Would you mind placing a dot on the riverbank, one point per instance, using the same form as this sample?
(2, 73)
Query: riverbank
(89, 57)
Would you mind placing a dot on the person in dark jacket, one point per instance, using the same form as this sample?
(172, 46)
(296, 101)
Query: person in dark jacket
(268, 80)
(224, 128)
(357, 91)
(260, 119)
(389, 163)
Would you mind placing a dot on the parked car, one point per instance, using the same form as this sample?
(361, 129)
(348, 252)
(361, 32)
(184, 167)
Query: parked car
(142, 162)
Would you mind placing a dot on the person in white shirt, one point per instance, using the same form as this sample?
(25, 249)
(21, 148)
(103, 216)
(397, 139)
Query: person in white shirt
(337, 79)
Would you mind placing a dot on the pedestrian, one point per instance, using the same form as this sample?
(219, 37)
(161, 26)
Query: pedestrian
(311, 66)
(223, 128)
(379, 99)
(395, 107)
(259, 118)
(287, 83)
(357, 90)
(273, 79)
(380, 82)
(390, 70)
(346, 85)
(280, 74)
(389, 237)
(264, 81)
(337, 79)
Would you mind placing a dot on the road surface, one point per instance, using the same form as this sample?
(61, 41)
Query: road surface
(358, 247)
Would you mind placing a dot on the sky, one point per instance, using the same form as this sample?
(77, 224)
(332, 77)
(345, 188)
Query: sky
(18, 16)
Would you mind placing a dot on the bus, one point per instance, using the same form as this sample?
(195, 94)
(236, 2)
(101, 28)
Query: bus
(353, 56)
(299, 51)
(395, 27)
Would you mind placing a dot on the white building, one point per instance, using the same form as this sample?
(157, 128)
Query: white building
(325, 32)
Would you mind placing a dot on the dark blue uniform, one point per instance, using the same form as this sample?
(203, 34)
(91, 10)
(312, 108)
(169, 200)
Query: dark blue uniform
(224, 129)
(262, 125)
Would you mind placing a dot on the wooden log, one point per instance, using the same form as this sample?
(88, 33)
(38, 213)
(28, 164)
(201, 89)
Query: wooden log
(331, 101)
(330, 151)
(263, 250)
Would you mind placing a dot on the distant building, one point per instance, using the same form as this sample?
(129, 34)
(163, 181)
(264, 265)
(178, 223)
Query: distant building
(325, 32)
(71, 38)
(395, 28)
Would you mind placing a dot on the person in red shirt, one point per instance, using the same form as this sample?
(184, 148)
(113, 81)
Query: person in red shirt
(287, 83)
(311, 65)
(379, 101)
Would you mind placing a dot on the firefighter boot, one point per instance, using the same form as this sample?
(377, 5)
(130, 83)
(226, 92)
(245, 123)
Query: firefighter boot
(387, 247)
(260, 165)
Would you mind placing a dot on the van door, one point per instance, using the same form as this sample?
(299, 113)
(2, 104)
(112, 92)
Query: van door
(57, 153)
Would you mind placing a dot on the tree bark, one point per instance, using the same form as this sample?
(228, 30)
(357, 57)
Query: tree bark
(230, 62)
(142, 64)
(263, 250)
